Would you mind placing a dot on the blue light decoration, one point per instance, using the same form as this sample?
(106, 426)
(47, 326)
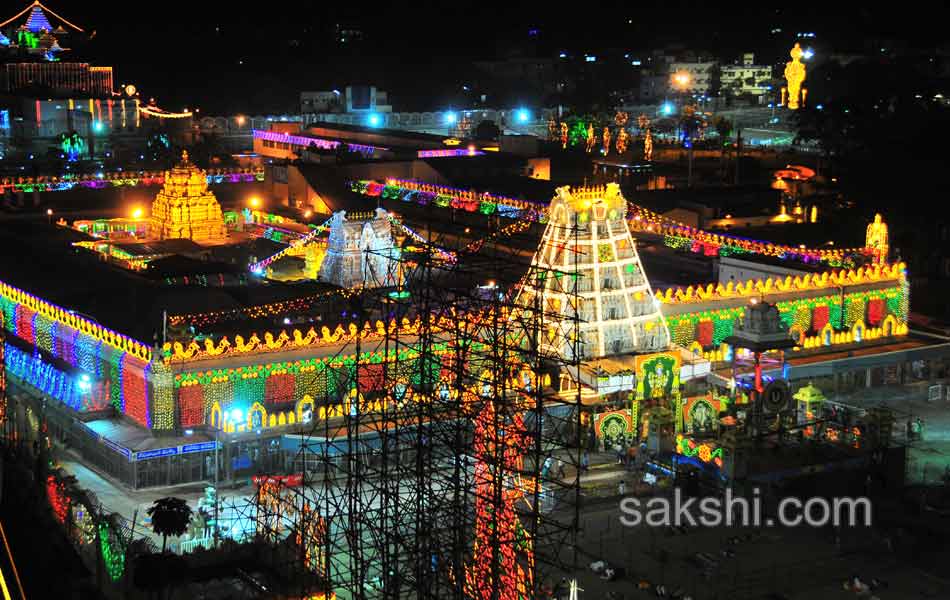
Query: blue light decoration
(667, 108)
(38, 21)
(374, 120)
(98, 127)
(451, 118)
(4, 40)
(523, 115)
(33, 370)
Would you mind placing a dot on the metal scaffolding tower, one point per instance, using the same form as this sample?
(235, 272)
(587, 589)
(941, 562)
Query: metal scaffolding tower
(452, 468)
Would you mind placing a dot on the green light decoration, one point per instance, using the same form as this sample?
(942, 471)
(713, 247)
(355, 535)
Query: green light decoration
(113, 558)
(27, 39)
(577, 134)
(854, 311)
(703, 452)
(72, 145)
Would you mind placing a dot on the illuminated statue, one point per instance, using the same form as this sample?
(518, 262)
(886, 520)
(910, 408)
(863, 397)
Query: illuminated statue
(606, 141)
(643, 123)
(186, 208)
(564, 135)
(648, 146)
(876, 238)
(621, 118)
(553, 130)
(623, 139)
(591, 138)
(795, 76)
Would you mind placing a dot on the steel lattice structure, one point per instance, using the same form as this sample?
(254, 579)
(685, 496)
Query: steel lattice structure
(453, 470)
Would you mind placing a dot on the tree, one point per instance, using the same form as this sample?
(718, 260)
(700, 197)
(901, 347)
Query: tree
(724, 129)
(487, 130)
(170, 516)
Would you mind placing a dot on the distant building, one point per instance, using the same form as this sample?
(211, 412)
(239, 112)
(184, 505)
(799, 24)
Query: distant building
(702, 77)
(654, 87)
(354, 99)
(321, 102)
(42, 96)
(747, 79)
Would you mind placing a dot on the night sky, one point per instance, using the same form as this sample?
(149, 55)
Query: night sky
(222, 58)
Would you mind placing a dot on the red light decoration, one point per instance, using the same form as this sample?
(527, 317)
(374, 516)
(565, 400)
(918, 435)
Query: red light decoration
(875, 311)
(502, 548)
(704, 333)
(819, 317)
(191, 405)
(279, 389)
(58, 500)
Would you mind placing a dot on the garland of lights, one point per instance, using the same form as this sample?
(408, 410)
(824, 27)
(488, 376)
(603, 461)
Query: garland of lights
(761, 287)
(641, 219)
(178, 352)
(310, 237)
(69, 181)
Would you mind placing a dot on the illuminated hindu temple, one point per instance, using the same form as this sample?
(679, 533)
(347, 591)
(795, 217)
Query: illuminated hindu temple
(185, 208)
(172, 360)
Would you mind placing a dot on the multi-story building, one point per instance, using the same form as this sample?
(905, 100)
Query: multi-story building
(699, 77)
(48, 101)
(352, 99)
(747, 79)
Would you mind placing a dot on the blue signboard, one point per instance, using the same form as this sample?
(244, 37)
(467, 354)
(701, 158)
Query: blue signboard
(200, 447)
(157, 453)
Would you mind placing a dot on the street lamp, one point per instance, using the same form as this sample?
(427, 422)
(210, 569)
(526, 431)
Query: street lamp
(49, 215)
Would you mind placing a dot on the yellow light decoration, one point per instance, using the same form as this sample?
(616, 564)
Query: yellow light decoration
(876, 239)
(185, 208)
(606, 137)
(758, 287)
(178, 352)
(623, 139)
(154, 111)
(794, 77)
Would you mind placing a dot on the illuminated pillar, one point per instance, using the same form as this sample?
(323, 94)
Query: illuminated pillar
(758, 372)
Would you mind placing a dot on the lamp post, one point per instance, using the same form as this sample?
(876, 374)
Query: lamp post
(681, 81)
(49, 216)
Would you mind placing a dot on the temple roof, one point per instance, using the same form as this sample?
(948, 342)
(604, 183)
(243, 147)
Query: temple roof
(38, 20)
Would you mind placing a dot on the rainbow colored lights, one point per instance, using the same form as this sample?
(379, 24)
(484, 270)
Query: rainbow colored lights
(676, 235)
(45, 183)
(447, 152)
(304, 142)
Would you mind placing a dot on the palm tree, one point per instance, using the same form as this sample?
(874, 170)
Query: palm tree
(170, 516)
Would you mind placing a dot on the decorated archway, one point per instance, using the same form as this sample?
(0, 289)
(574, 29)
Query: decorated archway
(304, 409)
(827, 334)
(889, 325)
(215, 416)
(857, 330)
(256, 416)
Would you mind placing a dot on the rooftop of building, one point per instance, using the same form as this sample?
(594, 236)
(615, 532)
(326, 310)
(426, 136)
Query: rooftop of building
(133, 302)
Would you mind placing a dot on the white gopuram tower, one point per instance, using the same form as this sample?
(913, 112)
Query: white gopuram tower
(360, 251)
(586, 274)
